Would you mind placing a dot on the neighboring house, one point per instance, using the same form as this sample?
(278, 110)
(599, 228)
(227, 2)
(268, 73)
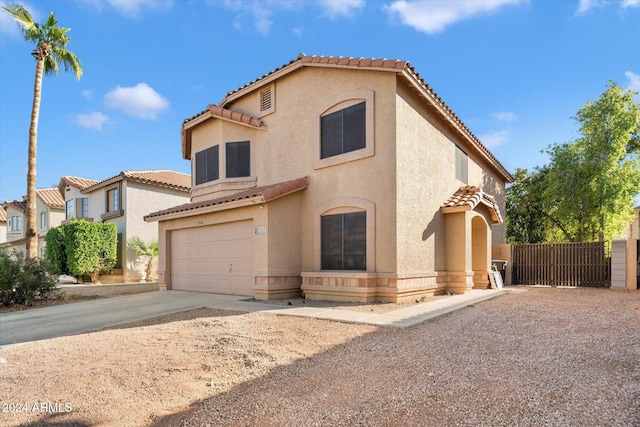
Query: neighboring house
(49, 213)
(125, 199)
(3, 225)
(339, 178)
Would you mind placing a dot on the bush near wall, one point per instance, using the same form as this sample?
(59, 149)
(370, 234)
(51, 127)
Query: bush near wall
(83, 248)
(55, 253)
(22, 281)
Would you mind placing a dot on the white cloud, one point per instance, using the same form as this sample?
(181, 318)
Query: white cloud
(91, 121)
(505, 116)
(256, 11)
(87, 94)
(494, 139)
(133, 8)
(139, 101)
(434, 16)
(336, 8)
(634, 84)
(586, 5)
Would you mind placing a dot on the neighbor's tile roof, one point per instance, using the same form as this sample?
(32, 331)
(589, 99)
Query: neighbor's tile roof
(161, 178)
(469, 197)
(403, 68)
(74, 181)
(3, 215)
(19, 205)
(51, 197)
(265, 194)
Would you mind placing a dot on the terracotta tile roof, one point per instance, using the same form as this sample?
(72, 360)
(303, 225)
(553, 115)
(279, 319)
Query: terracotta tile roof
(263, 194)
(468, 197)
(227, 114)
(51, 197)
(161, 178)
(74, 181)
(3, 215)
(19, 205)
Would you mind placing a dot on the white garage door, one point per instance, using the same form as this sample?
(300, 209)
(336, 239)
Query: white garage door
(215, 258)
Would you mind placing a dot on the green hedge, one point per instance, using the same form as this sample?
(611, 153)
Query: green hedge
(83, 248)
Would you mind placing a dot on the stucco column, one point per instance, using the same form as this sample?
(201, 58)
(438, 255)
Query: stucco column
(619, 264)
(458, 252)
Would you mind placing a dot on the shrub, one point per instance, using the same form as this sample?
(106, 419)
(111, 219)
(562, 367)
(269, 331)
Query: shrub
(21, 281)
(82, 248)
(55, 253)
(90, 248)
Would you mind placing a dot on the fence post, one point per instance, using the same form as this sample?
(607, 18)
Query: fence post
(619, 264)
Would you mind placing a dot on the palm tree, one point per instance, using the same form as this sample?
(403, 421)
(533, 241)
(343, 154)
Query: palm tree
(141, 249)
(51, 42)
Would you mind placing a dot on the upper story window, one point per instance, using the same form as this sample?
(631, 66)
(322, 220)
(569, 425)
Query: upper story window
(207, 165)
(113, 200)
(77, 208)
(238, 159)
(43, 220)
(344, 241)
(71, 210)
(343, 131)
(16, 223)
(462, 165)
(84, 207)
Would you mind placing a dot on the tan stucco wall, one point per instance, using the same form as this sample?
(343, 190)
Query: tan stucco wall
(293, 133)
(426, 179)
(139, 200)
(15, 235)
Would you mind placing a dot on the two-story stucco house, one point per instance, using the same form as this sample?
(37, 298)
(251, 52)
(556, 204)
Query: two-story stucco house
(125, 199)
(49, 213)
(338, 178)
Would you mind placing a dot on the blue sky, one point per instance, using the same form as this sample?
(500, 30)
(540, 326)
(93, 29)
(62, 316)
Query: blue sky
(515, 71)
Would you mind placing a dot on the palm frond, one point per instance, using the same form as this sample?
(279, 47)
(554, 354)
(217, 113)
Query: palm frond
(21, 16)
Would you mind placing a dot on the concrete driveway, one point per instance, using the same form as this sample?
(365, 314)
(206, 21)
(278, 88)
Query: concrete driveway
(70, 319)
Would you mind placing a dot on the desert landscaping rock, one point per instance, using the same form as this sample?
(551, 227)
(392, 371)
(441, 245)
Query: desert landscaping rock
(536, 356)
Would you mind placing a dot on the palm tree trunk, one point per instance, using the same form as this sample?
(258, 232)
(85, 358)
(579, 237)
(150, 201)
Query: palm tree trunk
(30, 211)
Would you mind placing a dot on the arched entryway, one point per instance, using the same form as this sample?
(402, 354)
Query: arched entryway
(469, 216)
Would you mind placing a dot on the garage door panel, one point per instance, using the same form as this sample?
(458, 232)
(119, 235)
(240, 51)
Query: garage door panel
(217, 258)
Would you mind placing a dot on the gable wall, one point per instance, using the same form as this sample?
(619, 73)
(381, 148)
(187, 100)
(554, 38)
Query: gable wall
(426, 178)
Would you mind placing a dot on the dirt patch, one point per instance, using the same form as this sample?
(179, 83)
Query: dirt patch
(531, 357)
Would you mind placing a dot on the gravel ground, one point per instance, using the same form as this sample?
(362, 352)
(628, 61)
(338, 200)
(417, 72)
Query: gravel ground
(534, 357)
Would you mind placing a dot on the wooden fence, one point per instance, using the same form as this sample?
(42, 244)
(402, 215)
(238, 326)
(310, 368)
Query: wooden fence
(561, 264)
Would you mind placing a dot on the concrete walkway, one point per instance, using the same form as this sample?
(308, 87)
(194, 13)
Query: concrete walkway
(69, 319)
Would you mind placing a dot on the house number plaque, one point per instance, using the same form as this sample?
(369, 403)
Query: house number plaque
(259, 230)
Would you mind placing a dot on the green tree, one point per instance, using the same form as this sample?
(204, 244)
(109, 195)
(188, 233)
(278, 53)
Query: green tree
(587, 190)
(90, 247)
(51, 49)
(593, 180)
(141, 249)
(525, 220)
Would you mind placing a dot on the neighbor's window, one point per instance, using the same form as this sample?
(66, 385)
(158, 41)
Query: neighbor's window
(43, 220)
(462, 165)
(16, 223)
(207, 165)
(113, 200)
(238, 156)
(343, 131)
(84, 207)
(71, 213)
(344, 241)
